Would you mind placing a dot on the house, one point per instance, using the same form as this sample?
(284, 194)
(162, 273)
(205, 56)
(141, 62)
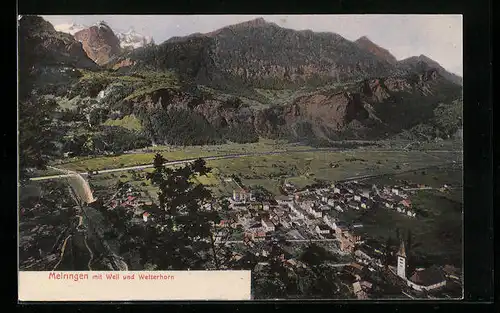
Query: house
(331, 202)
(406, 203)
(307, 206)
(339, 208)
(366, 285)
(452, 272)
(389, 204)
(395, 191)
(243, 195)
(255, 227)
(322, 229)
(317, 213)
(284, 200)
(357, 198)
(365, 192)
(145, 216)
(259, 235)
(344, 191)
(267, 225)
(285, 224)
(336, 190)
(340, 227)
(427, 279)
(330, 221)
(353, 205)
(265, 206)
(361, 259)
(295, 210)
(325, 208)
(224, 223)
(360, 289)
(260, 266)
(355, 269)
(348, 240)
(356, 287)
(410, 213)
(236, 196)
(336, 197)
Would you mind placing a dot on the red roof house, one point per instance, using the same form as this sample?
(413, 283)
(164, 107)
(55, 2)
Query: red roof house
(406, 203)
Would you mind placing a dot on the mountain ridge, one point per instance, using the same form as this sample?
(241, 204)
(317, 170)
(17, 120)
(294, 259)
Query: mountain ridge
(230, 86)
(365, 43)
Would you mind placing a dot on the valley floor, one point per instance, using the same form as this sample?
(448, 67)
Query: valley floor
(269, 166)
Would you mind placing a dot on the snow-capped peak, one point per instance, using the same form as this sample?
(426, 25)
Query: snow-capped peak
(128, 39)
(103, 24)
(132, 39)
(69, 28)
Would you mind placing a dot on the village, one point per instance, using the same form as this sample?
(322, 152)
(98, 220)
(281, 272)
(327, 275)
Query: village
(297, 218)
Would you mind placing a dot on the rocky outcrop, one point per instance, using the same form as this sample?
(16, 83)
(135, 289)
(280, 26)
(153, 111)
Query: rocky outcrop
(48, 59)
(40, 44)
(99, 42)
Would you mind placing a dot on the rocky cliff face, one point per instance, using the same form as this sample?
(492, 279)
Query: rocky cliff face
(368, 109)
(99, 42)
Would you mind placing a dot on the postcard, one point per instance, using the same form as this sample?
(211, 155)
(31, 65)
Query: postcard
(237, 157)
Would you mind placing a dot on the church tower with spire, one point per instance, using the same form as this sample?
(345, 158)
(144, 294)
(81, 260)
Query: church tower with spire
(402, 260)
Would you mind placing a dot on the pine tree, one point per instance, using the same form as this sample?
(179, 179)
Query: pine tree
(184, 234)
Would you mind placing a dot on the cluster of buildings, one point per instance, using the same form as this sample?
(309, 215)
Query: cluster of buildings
(395, 198)
(130, 199)
(243, 195)
(315, 212)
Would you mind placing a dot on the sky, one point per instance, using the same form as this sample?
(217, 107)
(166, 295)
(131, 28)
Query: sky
(437, 36)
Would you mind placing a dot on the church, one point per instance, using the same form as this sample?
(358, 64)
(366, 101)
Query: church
(421, 279)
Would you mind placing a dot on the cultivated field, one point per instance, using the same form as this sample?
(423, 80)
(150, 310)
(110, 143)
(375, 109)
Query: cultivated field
(300, 168)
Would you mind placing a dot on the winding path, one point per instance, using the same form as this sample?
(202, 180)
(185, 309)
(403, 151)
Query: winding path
(62, 252)
(90, 251)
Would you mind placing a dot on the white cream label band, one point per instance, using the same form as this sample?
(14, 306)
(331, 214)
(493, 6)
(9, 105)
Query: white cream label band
(135, 285)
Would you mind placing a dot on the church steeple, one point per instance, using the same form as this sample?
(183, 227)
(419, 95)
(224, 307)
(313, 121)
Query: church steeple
(402, 260)
(402, 250)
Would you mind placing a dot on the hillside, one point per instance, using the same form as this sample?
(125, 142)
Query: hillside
(422, 62)
(238, 83)
(263, 55)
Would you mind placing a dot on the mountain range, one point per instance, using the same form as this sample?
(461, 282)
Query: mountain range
(128, 38)
(238, 83)
(110, 42)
